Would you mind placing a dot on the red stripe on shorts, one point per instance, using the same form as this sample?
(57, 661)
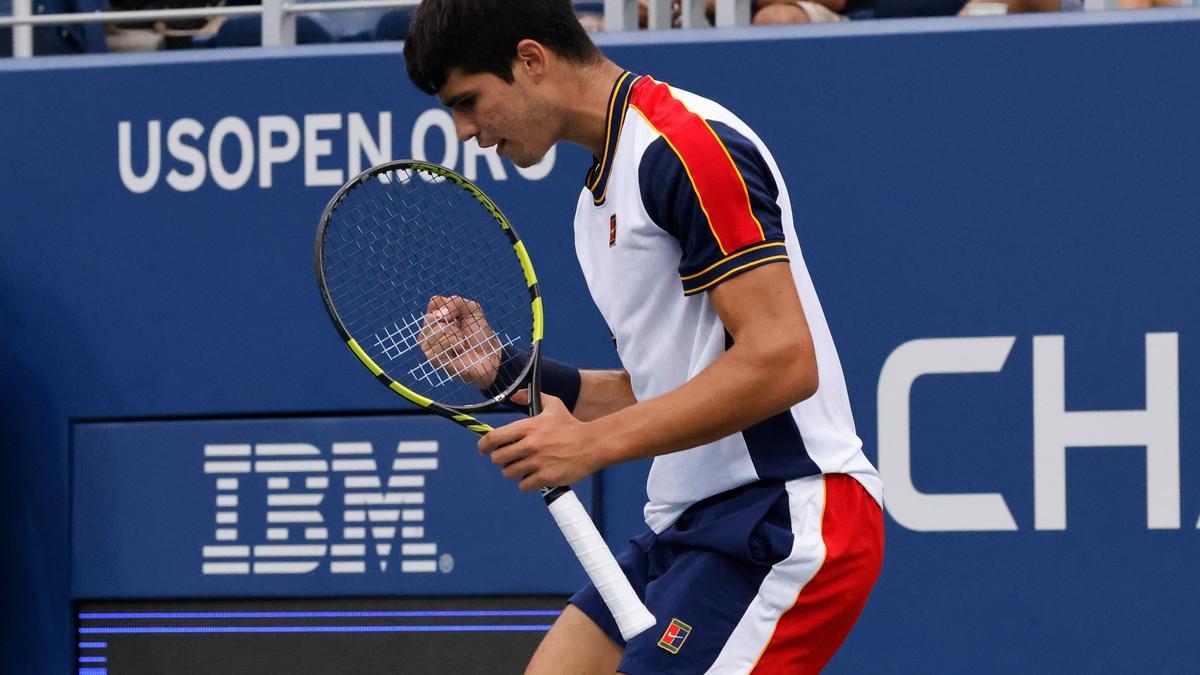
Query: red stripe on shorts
(809, 633)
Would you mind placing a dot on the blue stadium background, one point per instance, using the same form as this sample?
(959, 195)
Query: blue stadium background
(1020, 177)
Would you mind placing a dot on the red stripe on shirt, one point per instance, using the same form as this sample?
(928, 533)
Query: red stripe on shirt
(715, 178)
(808, 634)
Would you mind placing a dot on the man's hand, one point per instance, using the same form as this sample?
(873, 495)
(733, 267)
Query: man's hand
(548, 450)
(457, 339)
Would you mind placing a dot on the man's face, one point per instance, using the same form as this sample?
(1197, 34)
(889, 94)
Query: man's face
(495, 112)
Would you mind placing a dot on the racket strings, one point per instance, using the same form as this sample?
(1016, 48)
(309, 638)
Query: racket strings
(439, 375)
(473, 340)
(398, 242)
(398, 339)
(394, 348)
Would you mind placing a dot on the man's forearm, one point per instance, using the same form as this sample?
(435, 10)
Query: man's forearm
(740, 388)
(602, 392)
(770, 367)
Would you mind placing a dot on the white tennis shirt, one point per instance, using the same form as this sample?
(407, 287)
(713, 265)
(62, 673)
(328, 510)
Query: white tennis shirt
(686, 197)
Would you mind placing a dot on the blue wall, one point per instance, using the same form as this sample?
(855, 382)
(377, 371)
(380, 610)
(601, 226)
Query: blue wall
(1011, 178)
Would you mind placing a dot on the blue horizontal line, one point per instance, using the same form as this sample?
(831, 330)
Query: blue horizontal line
(93, 645)
(93, 671)
(93, 659)
(84, 616)
(499, 628)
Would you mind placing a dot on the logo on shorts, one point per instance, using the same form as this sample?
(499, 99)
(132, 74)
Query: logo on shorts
(612, 230)
(674, 636)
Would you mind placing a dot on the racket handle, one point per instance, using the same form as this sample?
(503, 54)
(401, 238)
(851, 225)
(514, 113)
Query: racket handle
(627, 609)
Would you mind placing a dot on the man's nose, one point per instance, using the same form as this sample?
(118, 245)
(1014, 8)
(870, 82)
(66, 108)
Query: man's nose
(465, 127)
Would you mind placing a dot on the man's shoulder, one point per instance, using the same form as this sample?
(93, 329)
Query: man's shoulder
(656, 99)
(682, 131)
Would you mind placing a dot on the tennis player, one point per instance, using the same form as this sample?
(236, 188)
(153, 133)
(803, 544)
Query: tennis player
(764, 531)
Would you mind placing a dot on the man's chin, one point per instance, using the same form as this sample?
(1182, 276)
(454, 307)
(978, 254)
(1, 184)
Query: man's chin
(525, 162)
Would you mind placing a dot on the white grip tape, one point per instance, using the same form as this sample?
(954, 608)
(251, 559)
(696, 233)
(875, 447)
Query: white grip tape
(627, 609)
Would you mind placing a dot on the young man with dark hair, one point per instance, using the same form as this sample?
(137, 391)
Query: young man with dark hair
(764, 530)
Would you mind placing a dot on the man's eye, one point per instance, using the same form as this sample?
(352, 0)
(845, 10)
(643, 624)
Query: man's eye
(467, 104)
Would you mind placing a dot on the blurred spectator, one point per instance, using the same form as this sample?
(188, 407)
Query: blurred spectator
(802, 11)
(393, 25)
(888, 9)
(676, 13)
(383, 24)
(64, 39)
(766, 12)
(591, 22)
(591, 15)
(1013, 7)
(155, 35)
(979, 7)
(354, 25)
(242, 31)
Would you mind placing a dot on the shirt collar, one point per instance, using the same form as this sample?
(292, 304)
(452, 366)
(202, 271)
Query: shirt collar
(618, 103)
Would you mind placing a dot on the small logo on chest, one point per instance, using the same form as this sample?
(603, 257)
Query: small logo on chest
(612, 230)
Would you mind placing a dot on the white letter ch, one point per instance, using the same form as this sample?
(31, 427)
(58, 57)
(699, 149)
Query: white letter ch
(908, 505)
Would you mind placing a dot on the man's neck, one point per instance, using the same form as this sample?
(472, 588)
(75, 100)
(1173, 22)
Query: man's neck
(586, 106)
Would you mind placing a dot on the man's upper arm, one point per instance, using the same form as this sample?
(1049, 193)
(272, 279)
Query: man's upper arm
(761, 307)
(710, 187)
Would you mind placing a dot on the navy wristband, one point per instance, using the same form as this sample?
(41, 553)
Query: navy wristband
(561, 380)
(558, 379)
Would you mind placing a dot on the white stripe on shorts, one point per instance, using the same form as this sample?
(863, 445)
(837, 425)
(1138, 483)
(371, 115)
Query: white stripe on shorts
(782, 585)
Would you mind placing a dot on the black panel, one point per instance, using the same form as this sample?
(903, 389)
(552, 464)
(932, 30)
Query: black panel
(329, 635)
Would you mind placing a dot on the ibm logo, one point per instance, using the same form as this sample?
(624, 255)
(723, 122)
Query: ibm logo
(299, 539)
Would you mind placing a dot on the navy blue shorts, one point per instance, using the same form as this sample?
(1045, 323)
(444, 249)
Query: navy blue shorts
(725, 581)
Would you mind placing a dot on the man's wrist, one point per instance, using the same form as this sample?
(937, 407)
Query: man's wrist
(609, 447)
(501, 377)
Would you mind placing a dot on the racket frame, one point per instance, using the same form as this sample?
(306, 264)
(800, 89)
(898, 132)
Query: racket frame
(461, 415)
(592, 551)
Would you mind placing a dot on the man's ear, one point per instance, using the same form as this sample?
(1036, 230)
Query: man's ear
(532, 58)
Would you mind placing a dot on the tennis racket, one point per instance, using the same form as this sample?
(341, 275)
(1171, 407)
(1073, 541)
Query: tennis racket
(433, 291)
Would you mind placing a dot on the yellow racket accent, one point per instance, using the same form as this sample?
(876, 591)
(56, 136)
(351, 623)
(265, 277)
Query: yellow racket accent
(471, 423)
(526, 265)
(410, 394)
(537, 318)
(362, 356)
